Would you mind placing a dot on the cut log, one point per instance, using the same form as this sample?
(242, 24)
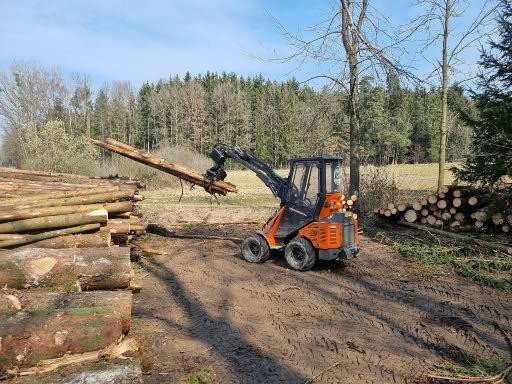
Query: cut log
(424, 202)
(453, 211)
(78, 200)
(473, 200)
(387, 213)
(141, 227)
(390, 206)
(417, 206)
(455, 224)
(457, 202)
(445, 189)
(459, 216)
(479, 224)
(10, 236)
(58, 195)
(431, 219)
(481, 215)
(177, 170)
(441, 195)
(410, 216)
(350, 202)
(457, 193)
(432, 199)
(84, 368)
(50, 325)
(424, 212)
(49, 222)
(509, 219)
(505, 228)
(497, 218)
(71, 268)
(20, 214)
(442, 204)
(401, 207)
(86, 240)
(353, 197)
(44, 236)
(119, 228)
(423, 220)
(438, 223)
(446, 216)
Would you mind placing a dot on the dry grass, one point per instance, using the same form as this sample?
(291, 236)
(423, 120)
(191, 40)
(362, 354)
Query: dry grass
(254, 201)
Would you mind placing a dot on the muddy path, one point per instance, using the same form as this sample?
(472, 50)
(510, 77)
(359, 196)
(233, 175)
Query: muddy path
(370, 322)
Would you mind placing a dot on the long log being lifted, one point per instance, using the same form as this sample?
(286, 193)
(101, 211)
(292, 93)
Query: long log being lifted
(177, 170)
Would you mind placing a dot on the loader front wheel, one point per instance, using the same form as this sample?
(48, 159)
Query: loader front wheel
(300, 254)
(255, 249)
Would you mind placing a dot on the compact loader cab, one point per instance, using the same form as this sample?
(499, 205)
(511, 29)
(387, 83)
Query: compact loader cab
(310, 223)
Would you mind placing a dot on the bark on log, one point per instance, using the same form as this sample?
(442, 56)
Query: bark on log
(49, 222)
(77, 200)
(59, 195)
(177, 170)
(72, 268)
(85, 240)
(42, 237)
(50, 325)
(10, 236)
(20, 214)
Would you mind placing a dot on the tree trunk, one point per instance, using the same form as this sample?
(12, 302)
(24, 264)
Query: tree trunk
(444, 96)
(43, 236)
(58, 195)
(351, 45)
(48, 222)
(72, 268)
(36, 326)
(77, 200)
(20, 214)
(85, 240)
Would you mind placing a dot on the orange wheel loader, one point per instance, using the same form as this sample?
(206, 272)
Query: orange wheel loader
(309, 224)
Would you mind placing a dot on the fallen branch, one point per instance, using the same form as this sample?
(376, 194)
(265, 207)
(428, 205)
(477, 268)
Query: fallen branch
(500, 247)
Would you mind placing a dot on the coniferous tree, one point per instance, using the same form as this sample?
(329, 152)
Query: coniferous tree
(491, 148)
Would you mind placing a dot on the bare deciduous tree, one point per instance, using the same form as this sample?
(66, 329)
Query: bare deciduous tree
(355, 40)
(436, 19)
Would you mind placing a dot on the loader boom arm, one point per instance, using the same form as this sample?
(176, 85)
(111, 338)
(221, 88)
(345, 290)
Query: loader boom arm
(220, 153)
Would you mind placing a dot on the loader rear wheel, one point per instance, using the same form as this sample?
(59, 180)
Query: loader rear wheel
(255, 249)
(300, 254)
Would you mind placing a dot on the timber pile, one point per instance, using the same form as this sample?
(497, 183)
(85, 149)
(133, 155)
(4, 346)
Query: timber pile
(59, 210)
(65, 299)
(457, 208)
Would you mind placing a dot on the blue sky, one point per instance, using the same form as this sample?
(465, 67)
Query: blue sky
(152, 39)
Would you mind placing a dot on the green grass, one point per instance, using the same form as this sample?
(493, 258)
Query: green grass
(482, 267)
(204, 376)
(469, 365)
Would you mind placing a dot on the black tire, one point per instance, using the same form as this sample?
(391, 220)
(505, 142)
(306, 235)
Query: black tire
(255, 249)
(300, 254)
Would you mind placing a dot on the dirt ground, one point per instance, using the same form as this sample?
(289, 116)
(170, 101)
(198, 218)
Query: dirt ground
(374, 321)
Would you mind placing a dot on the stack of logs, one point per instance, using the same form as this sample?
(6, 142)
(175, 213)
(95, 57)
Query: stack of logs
(457, 208)
(66, 278)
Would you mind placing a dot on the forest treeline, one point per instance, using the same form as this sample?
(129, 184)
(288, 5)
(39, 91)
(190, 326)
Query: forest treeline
(278, 120)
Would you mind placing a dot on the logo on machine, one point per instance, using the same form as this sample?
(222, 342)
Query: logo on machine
(337, 175)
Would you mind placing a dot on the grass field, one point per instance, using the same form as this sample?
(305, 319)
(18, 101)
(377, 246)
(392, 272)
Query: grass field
(254, 201)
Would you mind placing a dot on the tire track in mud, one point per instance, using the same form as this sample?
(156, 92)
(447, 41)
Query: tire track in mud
(362, 324)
